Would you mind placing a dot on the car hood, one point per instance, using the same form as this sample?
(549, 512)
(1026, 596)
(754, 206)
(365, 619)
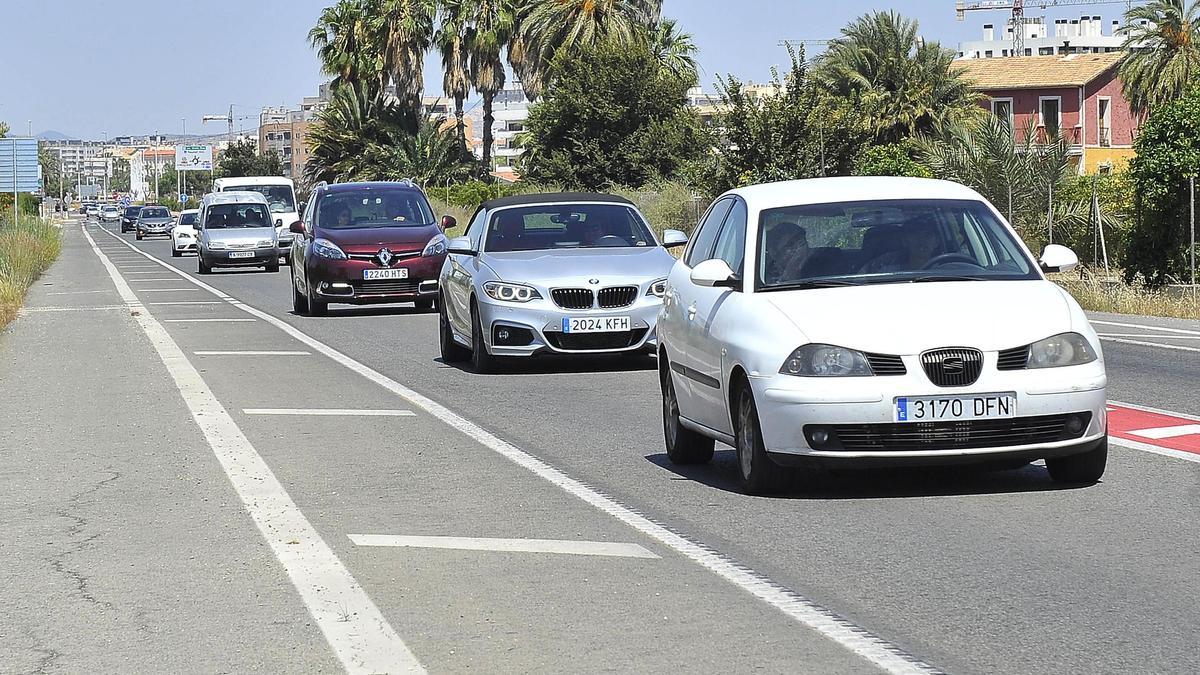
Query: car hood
(156, 221)
(369, 240)
(238, 235)
(580, 265)
(910, 318)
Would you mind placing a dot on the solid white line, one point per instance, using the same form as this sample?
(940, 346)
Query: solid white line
(208, 320)
(1159, 433)
(139, 281)
(166, 290)
(1163, 329)
(851, 637)
(77, 292)
(247, 353)
(600, 548)
(1178, 348)
(1146, 447)
(1144, 335)
(38, 310)
(357, 631)
(329, 412)
(187, 302)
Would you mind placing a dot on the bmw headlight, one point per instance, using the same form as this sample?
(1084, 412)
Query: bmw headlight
(499, 290)
(328, 249)
(216, 245)
(658, 289)
(436, 246)
(817, 360)
(1065, 349)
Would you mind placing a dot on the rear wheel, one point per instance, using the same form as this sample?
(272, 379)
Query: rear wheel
(758, 474)
(1085, 468)
(481, 360)
(684, 446)
(299, 300)
(452, 352)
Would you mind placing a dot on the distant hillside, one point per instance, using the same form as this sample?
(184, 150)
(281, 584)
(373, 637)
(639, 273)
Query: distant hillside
(52, 135)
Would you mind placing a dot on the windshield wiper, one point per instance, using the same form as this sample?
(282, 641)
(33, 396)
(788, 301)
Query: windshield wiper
(945, 277)
(812, 283)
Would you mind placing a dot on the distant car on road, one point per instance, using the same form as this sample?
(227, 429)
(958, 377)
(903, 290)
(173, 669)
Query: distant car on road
(109, 213)
(235, 230)
(153, 221)
(875, 321)
(183, 235)
(92, 211)
(129, 218)
(553, 274)
(280, 194)
(366, 243)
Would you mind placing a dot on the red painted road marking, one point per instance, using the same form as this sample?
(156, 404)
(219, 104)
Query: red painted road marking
(1159, 429)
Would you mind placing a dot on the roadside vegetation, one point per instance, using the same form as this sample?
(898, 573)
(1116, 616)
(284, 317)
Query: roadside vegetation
(26, 250)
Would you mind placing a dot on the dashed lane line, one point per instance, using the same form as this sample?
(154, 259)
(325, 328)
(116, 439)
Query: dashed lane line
(328, 412)
(561, 546)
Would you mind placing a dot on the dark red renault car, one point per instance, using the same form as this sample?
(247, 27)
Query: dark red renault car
(366, 243)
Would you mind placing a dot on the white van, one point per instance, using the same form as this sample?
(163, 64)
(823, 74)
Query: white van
(280, 193)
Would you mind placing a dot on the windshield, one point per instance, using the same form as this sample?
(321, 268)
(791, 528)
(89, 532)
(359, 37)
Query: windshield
(278, 196)
(221, 216)
(557, 226)
(373, 207)
(187, 219)
(133, 211)
(886, 242)
(155, 213)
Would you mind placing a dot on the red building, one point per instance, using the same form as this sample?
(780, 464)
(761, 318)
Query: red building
(1078, 95)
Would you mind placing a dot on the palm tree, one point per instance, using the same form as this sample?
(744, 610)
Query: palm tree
(492, 23)
(407, 33)
(1163, 38)
(451, 40)
(343, 38)
(358, 119)
(431, 156)
(906, 86)
(674, 50)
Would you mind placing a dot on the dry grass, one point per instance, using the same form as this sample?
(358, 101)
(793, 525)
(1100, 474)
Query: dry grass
(462, 215)
(26, 250)
(1095, 295)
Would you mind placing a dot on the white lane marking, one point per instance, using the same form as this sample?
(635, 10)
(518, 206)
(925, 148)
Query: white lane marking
(1162, 329)
(1146, 447)
(357, 631)
(250, 353)
(77, 292)
(1159, 433)
(38, 310)
(208, 320)
(600, 548)
(1160, 411)
(853, 638)
(187, 302)
(1178, 348)
(1146, 335)
(140, 281)
(329, 412)
(166, 290)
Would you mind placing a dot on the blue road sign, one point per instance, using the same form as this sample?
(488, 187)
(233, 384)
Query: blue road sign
(19, 168)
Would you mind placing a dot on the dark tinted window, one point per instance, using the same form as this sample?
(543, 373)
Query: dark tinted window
(155, 212)
(187, 219)
(557, 226)
(373, 207)
(133, 211)
(278, 196)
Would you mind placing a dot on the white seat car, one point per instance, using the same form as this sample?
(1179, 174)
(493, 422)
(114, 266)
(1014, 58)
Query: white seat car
(183, 235)
(875, 321)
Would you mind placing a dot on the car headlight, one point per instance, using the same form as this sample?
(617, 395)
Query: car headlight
(817, 360)
(658, 289)
(1065, 349)
(216, 244)
(436, 246)
(499, 290)
(183, 235)
(266, 243)
(328, 249)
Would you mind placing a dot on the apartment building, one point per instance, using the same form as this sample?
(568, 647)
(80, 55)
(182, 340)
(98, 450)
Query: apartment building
(1084, 35)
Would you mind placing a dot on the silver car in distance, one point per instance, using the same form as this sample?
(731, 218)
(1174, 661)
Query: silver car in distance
(553, 274)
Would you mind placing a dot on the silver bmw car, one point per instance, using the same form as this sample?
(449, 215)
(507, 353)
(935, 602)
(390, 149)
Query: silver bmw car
(553, 274)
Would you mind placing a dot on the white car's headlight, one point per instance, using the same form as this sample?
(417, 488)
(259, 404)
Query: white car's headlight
(328, 249)
(183, 235)
(436, 246)
(499, 290)
(817, 360)
(658, 289)
(216, 244)
(1065, 349)
(266, 243)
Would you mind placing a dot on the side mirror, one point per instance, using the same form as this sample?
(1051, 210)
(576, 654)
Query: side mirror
(448, 222)
(674, 238)
(461, 246)
(296, 227)
(1057, 258)
(714, 273)
(303, 205)
(279, 222)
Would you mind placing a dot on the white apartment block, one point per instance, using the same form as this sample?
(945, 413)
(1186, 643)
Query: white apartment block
(1084, 35)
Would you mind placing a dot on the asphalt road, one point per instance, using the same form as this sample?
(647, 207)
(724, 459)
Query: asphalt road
(960, 571)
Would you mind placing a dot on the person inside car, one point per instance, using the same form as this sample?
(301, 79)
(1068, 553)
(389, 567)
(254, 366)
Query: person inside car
(918, 244)
(788, 246)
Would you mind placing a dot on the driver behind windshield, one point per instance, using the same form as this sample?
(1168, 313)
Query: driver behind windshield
(918, 243)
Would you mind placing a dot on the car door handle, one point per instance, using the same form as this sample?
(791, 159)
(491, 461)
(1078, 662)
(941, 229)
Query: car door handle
(691, 312)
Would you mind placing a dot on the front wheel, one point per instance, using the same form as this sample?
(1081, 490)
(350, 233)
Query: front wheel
(299, 300)
(684, 446)
(758, 474)
(452, 352)
(1084, 469)
(201, 266)
(176, 253)
(139, 235)
(273, 267)
(481, 360)
(316, 306)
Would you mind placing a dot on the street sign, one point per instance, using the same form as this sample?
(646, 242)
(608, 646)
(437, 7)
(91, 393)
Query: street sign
(182, 198)
(19, 168)
(193, 158)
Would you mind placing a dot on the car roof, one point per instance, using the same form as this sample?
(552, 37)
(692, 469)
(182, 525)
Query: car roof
(367, 185)
(850, 189)
(255, 180)
(234, 197)
(553, 198)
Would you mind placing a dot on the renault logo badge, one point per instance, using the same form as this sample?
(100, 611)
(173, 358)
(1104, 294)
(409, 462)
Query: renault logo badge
(385, 257)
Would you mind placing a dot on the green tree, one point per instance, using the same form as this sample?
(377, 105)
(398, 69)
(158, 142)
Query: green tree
(674, 50)
(905, 85)
(407, 30)
(452, 41)
(3, 129)
(1168, 153)
(52, 178)
(1163, 39)
(358, 118)
(492, 23)
(347, 40)
(893, 159)
(611, 116)
(241, 158)
(432, 156)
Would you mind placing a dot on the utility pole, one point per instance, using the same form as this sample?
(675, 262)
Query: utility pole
(1192, 250)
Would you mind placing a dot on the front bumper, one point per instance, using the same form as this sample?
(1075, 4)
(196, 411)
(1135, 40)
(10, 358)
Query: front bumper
(535, 328)
(184, 244)
(261, 258)
(857, 416)
(154, 230)
(342, 280)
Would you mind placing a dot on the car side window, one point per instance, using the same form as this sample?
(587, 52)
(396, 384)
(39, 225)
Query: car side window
(706, 233)
(731, 243)
(475, 229)
(309, 210)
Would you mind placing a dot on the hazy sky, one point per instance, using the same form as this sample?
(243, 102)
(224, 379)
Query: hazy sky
(135, 66)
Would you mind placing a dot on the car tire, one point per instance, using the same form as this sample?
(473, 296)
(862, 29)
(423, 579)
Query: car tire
(1082, 469)
(482, 361)
(757, 474)
(684, 446)
(273, 267)
(138, 235)
(316, 307)
(201, 266)
(299, 300)
(176, 253)
(452, 352)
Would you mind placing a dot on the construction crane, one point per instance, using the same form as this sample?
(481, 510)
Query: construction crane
(1017, 7)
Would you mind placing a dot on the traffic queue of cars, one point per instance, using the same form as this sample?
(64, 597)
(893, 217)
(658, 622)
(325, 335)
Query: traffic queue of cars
(837, 322)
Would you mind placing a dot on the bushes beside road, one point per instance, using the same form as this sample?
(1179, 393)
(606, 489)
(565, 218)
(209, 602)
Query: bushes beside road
(26, 250)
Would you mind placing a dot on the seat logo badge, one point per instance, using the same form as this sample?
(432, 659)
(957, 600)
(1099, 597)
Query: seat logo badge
(952, 365)
(593, 281)
(385, 257)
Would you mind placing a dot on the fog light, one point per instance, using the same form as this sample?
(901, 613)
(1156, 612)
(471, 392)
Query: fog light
(1074, 424)
(820, 437)
(503, 334)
